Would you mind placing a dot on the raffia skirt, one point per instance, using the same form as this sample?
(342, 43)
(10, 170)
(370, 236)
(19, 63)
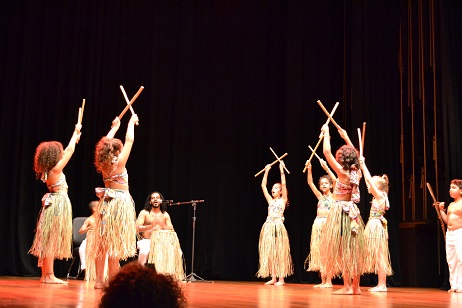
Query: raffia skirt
(165, 253)
(90, 271)
(274, 250)
(53, 236)
(115, 231)
(313, 261)
(377, 253)
(344, 250)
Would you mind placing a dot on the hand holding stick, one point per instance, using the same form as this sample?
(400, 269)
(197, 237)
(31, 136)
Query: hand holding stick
(321, 135)
(131, 102)
(277, 160)
(360, 143)
(437, 210)
(80, 118)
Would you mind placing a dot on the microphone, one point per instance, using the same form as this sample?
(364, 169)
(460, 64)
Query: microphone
(167, 201)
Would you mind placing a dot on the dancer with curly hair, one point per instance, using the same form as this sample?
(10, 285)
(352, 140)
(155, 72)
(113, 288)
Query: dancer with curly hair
(53, 236)
(343, 236)
(115, 236)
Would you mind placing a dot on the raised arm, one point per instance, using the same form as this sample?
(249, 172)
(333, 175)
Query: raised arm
(283, 180)
(263, 184)
(114, 128)
(129, 139)
(326, 149)
(67, 153)
(309, 179)
(345, 137)
(368, 178)
(329, 172)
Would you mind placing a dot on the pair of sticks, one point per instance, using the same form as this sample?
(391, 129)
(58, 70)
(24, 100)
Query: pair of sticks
(278, 159)
(330, 118)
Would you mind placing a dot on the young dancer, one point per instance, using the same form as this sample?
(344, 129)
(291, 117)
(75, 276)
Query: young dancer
(115, 236)
(343, 236)
(274, 247)
(325, 200)
(377, 258)
(453, 219)
(53, 237)
(88, 227)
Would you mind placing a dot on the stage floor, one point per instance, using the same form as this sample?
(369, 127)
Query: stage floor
(29, 292)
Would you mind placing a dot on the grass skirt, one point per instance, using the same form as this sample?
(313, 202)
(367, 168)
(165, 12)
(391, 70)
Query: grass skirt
(90, 270)
(274, 250)
(53, 236)
(313, 261)
(115, 231)
(377, 253)
(344, 250)
(165, 253)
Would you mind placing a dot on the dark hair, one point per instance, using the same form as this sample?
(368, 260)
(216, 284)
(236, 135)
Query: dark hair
(137, 285)
(105, 151)
(148, 205)
(457, 182)
(47, 155)
(348, 157)
(327, 177)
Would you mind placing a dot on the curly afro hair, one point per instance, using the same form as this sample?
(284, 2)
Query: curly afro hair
(47, 155)
(347, 157)
(136, 285)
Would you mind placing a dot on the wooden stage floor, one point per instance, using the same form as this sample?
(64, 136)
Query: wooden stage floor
(29, 292)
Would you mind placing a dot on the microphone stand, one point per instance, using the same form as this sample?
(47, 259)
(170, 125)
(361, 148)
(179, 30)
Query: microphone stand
(193, 277)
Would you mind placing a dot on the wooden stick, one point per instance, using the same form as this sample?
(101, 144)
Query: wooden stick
(360, 143)
(277, 160)
(79, 116)
(314, 153)
(327, 113)
(131, 102)
(126, 99)
(363, 134)
(83, 108)
(321, 136)
(437, 209)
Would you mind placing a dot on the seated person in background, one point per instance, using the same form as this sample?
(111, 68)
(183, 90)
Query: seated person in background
(158, 238)
(87, 227)
(139, 286)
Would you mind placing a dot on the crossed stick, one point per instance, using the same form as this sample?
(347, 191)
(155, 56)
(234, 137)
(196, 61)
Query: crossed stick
(437, 209)
(130, 103)
(127, 100)
(277, 160)
(330, 116)
(327, 122)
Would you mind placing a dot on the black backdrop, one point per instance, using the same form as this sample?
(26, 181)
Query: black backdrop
(224, 81)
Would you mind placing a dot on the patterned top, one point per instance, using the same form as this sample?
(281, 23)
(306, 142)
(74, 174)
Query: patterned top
(350, 188)
(121, 178)
(61, 184)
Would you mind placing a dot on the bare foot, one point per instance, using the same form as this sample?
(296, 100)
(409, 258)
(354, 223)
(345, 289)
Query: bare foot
(99, 285)
(378, 289)
(356, 291)
(271, 282)
(326, 286)
(318, 285)
(452, 290)
(280, 283)
(343, 291)
(51, 279)
(458, 291)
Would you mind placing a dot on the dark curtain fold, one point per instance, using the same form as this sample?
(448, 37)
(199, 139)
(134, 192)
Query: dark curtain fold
(224, 81)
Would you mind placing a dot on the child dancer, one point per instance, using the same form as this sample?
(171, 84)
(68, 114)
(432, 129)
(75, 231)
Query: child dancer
(325, 200)
(376, 233)
(53, 237)
(343, 236)
(274, 247)
(454, 235)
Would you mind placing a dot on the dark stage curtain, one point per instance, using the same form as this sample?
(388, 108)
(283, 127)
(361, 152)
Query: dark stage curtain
(224, 81)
